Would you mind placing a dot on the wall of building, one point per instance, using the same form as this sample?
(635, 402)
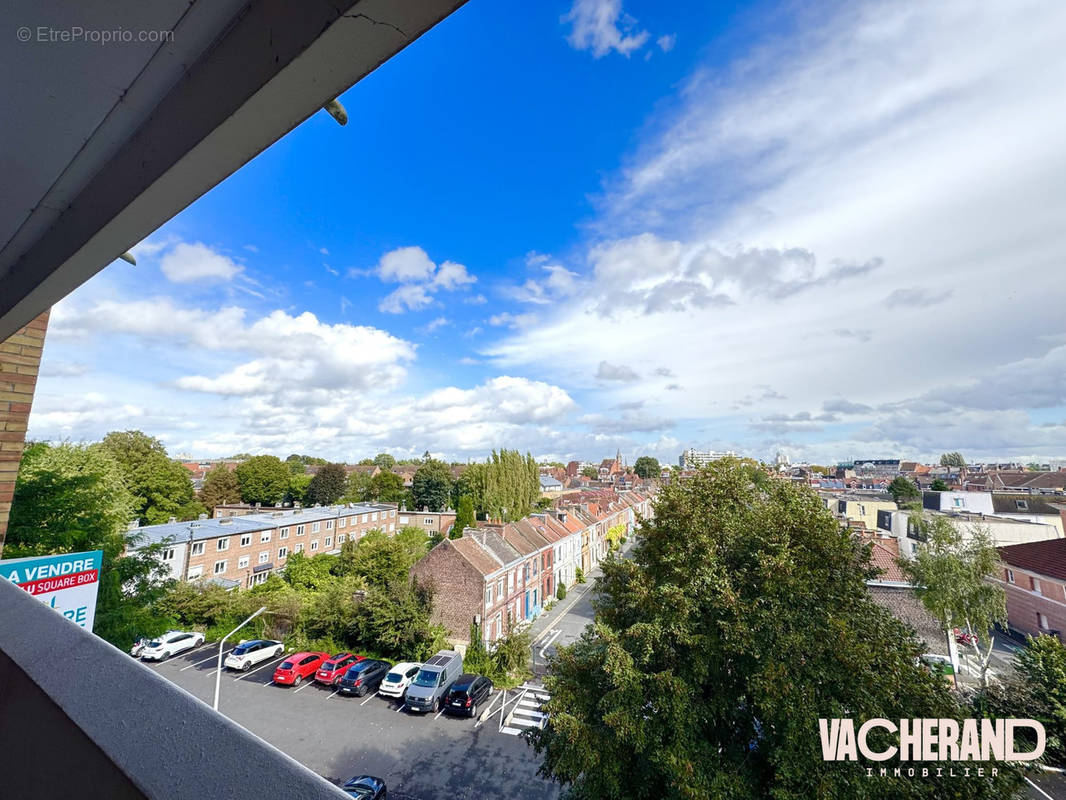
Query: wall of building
(1025, 603)
(20, 360)
(458, 589)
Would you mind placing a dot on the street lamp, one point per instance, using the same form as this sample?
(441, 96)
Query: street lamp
(218, 672)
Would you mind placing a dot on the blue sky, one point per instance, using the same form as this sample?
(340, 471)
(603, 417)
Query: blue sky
(575, 227)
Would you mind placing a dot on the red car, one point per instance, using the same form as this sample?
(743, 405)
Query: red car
(298, 666)
(330, 672)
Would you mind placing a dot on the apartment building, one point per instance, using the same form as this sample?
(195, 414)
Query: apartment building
(1033, 576)
(244, 550)
(430, 521)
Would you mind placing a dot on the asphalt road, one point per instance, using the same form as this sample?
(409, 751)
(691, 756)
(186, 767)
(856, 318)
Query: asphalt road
(430, 756)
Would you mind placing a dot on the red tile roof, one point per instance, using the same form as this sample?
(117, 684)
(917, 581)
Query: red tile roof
(882, 557)
(1047, 557)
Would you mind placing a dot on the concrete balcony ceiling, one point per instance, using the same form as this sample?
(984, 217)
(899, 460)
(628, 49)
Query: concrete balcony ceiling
(101, 143)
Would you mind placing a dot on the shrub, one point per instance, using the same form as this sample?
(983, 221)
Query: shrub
(560, 593)
(579, 575)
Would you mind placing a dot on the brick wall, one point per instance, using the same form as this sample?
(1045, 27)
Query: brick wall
(458, 589)
(20, 358)
(1024, 604)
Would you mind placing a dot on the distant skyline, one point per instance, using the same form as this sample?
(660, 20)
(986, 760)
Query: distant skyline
(832, 231)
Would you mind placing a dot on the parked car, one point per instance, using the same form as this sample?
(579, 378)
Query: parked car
(293, 670)
(364, 676)
(247, 654)
(465, 694)
(431, 684)
(138, 646)
(171, 643)
(399, 678)
(965, 637)
(366, 787)
(330, 672)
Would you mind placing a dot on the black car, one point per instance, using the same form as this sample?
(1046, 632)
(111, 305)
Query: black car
(364, 676)
(366, 787)
(465, 694)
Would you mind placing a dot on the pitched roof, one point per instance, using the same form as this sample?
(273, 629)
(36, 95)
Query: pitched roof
(1033, 504)
(1047, 557)
(903, 604)
(479, 558)
(883, 557)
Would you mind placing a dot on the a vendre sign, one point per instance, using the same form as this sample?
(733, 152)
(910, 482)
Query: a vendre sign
(68, 582)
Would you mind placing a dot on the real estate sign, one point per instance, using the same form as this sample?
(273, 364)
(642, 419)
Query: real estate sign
(67, 582)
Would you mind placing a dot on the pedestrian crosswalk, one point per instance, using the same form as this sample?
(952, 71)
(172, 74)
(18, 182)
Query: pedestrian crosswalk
(526, 713)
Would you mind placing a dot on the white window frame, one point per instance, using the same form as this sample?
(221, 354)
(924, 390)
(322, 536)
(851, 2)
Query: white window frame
(341, 537)
(374, 517)
(264, 557)
(329, 524)
(1036, 585)
(283, 552)
(315, 526)
(328, 542)
(264, 537)
(284, 533)
(242, 562)
(195, 572)
(314, 545)
(298, 548)
(246, 540)
(343, 522)
(168, 554)
(216, 569)
(197, 548)
(1010, 576)
(299, 530)
(222, 544)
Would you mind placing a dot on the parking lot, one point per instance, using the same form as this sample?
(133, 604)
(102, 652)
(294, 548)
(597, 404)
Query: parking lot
(419, 756)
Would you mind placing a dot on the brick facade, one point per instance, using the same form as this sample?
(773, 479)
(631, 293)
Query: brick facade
(1034, 601)
(457, 588)
(20, 360)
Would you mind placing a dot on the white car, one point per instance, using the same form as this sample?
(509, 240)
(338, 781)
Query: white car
(171, 643)
(249, 653)
(399, 678)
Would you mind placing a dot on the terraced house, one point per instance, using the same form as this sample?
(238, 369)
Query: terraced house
(501, 575)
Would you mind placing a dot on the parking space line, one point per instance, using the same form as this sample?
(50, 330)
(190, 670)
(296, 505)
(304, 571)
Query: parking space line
(304, 686)
(401, 708)
(489, 712)
(439, 713)
(333, 693)
(253, 671)
(214, 657)
(375, 694)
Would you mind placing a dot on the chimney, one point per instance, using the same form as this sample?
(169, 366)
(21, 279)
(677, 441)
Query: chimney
(172, 520)
(202, 516)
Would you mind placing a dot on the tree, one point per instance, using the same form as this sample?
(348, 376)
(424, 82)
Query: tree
(73, 498)
(161, 487)
(328, 485)
(357, 489)
(432, 485)
(903, 490)
(464, 517)
(385, 461)
(647, 467)
(952, 459)
(297, 489)
(471, 482)
(741, 619)
(511, 485)
(263, 479)
(386, 487)
(950, 578)
(1043, 667)
(938, 485)
(220, 487)
(590, 472)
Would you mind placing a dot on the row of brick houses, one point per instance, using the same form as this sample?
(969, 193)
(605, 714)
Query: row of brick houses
(502, 574)
(243, 550)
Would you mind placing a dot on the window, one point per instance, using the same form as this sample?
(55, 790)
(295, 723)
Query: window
(299, 530)
(1010, 576)
(960, 502)
(1035, 584)
(315, 526)
(488, 596)
(197, 548)
(374, 516)
(242, 562)
(341, 537)
(343, 522)
(392, 525)
(404, 520)
(246, 540)
(392, 513)
(1042, 620)
(1021, 505)
(329, 524)
(427, 520)
(314, 545)
(168, 554)
(283, 552)
(366, 518)
(195, 572)
(220, 566)
(499, 587)
(284, 533)
(264, 537)
(264, 557)
(298, 548)
(328, 542)
(223, 544)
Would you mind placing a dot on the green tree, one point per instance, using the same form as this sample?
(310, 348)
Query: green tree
(358, 487)
(328, 485)
(903, 490)
(950, 574)
(464, 516)
(296, 492)
(742, 618)
(511, 485)
(385, 461)
(590, 472)
(379, 559)
(302, 572)
(1042, 666)
(161, 487)
(471, 482)
(73, 498)
(938, 485)
(432, 485)
(647, 467)
(263, 479)
(386, 487)
(952, 459)
(220, 488)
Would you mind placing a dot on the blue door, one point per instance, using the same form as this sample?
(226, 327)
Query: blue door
(527, 605)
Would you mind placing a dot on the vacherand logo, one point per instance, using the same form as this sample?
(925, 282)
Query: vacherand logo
(928, 739)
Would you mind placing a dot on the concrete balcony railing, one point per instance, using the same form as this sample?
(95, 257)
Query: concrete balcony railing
(79, 718)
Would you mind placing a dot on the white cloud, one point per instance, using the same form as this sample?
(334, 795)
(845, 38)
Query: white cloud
(196, 262)
(433, 325)
(558, 283)
(615, 372)
(451, 275)
(405, 264)
(409, 297)
(506, 318)
(419, 277)
(666, 42)
(602, 26)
